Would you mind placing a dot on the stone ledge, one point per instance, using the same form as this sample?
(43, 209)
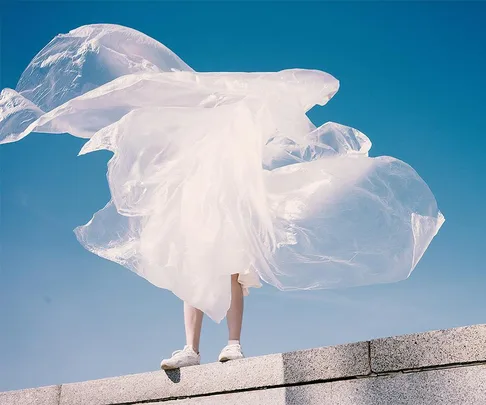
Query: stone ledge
(313, 376)
(458, 386)
(328, 363)
(35, 396)
(429, 349)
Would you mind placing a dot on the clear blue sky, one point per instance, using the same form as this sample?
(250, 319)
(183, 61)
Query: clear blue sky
(412, 78)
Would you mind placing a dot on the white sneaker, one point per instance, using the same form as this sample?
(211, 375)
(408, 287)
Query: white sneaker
(181, 358)
(231, 352)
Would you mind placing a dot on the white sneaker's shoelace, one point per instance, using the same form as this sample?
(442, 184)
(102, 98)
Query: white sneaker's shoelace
(182, 351)
(231, 348)
(234, 346)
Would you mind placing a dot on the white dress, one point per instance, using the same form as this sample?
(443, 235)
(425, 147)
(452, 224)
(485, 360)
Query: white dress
(215, 174)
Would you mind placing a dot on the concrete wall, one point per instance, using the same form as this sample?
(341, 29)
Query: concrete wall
(439, 367)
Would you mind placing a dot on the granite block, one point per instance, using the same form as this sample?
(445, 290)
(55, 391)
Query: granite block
(430, 349)
(34, 396)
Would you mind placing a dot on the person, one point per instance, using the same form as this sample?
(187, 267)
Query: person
(193, 318)
(219, 180)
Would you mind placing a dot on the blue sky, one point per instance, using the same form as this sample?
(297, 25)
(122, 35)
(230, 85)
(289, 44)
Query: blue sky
(412, 79)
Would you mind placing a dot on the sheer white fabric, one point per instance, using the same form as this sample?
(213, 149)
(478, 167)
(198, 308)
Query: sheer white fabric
(214, 174)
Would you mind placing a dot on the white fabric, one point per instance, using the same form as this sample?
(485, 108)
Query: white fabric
(221, 173)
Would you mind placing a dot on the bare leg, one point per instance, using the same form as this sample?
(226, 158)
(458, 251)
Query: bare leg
(234, 317)
(189, 356)
(193, 318)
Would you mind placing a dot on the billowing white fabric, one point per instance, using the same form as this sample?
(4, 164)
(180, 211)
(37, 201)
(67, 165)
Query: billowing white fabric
(221, 173)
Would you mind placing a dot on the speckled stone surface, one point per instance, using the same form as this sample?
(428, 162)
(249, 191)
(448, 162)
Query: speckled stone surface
(436, 348)
(457, 386)
(327, 363)
(267, 371)
(272, 396)
(189, 381)
(35, 396)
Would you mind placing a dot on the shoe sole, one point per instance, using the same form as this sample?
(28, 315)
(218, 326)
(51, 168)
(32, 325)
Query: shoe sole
(169, 367)
(225, 359)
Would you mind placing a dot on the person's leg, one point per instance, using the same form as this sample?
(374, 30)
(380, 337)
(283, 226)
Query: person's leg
(189, 356)
(193, 318)
(234, 318)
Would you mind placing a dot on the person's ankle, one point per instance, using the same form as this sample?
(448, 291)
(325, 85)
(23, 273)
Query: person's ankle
(233, 342)
(194, 348)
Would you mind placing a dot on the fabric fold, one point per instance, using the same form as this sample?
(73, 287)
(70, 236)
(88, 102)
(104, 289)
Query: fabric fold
(220, 173)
